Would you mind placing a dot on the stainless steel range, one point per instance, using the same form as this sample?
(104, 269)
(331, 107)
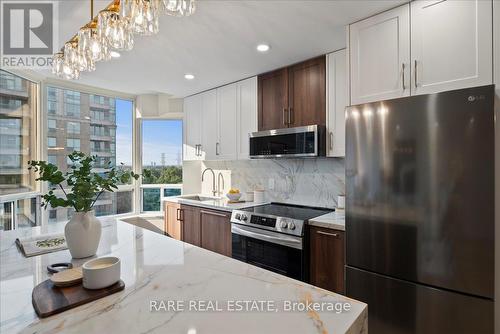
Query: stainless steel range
(271, 236)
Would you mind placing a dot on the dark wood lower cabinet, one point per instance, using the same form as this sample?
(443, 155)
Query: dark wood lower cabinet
(209, 229)
(191, 228)
(216, 231)
(327, 259)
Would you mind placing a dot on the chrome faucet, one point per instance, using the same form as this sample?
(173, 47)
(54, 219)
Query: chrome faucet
(214, 192)
(219, 189)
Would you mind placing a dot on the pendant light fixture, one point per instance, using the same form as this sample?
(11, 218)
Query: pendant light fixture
(111, 31)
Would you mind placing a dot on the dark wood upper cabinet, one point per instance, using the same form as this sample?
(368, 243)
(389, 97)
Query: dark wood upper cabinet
(293, 96)
(327, 260)
(216, 231)
(273, 99)
(191, 228)
(307, 93)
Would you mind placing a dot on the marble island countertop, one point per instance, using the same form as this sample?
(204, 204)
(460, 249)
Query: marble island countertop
(210, 202)
(159, 271)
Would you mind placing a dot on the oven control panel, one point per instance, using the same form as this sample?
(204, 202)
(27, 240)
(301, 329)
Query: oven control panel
(279, 224)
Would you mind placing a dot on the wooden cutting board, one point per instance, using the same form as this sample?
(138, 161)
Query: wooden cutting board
(49, 299)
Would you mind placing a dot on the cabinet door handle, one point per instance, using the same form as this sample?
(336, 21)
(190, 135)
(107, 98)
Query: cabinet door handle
(416, 74)
(199, 150)
(214, 213)
(403, 69)
(178, 214)
(217, 148)
(331, 140)
(196, 150)
(284, 117)
(335, 235)
(290, 116)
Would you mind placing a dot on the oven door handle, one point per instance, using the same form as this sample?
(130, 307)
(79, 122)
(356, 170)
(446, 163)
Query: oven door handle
(266, 236)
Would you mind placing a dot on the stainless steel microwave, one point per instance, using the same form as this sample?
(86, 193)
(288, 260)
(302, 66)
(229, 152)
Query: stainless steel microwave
(304, 141)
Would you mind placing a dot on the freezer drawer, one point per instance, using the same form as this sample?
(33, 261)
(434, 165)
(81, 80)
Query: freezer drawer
(401, 307)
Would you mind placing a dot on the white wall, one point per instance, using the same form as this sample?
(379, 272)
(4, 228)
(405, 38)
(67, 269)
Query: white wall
(158, 106)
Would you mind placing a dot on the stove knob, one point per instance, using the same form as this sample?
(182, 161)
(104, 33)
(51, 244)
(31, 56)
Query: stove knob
(237, 216)
(291, 226)
(284, 224)
(244, 218)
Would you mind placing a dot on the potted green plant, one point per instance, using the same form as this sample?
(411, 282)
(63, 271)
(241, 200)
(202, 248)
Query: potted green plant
(82, 190)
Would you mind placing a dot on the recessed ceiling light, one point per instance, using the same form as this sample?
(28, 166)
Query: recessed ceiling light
(189, 76)
(115, 54)
(263, 47)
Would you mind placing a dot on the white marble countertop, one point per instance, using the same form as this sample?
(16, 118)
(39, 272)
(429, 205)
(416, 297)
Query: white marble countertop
(215, 203)
(334, 220)
(157, 268)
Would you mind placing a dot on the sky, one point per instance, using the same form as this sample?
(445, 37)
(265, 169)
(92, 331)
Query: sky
(158, 136)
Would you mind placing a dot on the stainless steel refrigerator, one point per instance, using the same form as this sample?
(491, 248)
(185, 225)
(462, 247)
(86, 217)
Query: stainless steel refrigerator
(420, 212)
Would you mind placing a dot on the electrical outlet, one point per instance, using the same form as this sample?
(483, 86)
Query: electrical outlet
(270, 184)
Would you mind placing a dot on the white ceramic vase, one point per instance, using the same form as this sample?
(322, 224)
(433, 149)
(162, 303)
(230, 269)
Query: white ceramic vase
(83, 233)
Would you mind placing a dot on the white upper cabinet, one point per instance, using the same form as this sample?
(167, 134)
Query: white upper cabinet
(192, 128)
(246, 115)
(336, 103)
(225, 142)
(379, 56)
(217, 122)
(451, 45)
(208, 125)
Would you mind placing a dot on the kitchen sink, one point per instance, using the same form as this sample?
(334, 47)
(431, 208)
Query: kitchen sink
(198, 198)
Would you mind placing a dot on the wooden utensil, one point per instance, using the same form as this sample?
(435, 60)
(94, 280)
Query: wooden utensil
(67, 277)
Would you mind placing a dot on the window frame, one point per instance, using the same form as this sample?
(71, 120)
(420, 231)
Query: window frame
(138, 146)
(43, 111)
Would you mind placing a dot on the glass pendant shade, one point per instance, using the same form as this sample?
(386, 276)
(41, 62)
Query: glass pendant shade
(115, 30)
(143, 15)
(86, 61)
(57, 64)
(179, 7)
(71, 61)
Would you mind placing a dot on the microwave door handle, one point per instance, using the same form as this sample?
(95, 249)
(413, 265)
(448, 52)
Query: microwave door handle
(294, 243)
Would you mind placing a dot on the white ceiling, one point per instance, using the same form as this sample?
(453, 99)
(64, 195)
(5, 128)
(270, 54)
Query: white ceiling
(217, 44)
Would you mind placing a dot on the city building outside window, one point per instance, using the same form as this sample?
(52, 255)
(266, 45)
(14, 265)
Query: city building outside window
(73, 127)
(52, 124)
(18, 103)
(95, 125)
(52, 141)
(72, 144)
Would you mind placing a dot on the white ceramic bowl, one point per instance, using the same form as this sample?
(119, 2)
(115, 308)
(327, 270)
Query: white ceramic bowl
(101, 272)
(233, 197)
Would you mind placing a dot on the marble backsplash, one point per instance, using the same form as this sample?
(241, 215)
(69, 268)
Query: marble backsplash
(315, 182)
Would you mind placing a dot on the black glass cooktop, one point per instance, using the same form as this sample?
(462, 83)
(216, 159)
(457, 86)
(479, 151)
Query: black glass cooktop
(288, 211)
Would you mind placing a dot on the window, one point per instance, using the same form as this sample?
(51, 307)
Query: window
(52, 141)
(52, 159)
(101, 126)
(162, 157)
(52, 124)
(10, 81)
(17, 142)
(73, 127)
(72, 110)
(73, 144)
